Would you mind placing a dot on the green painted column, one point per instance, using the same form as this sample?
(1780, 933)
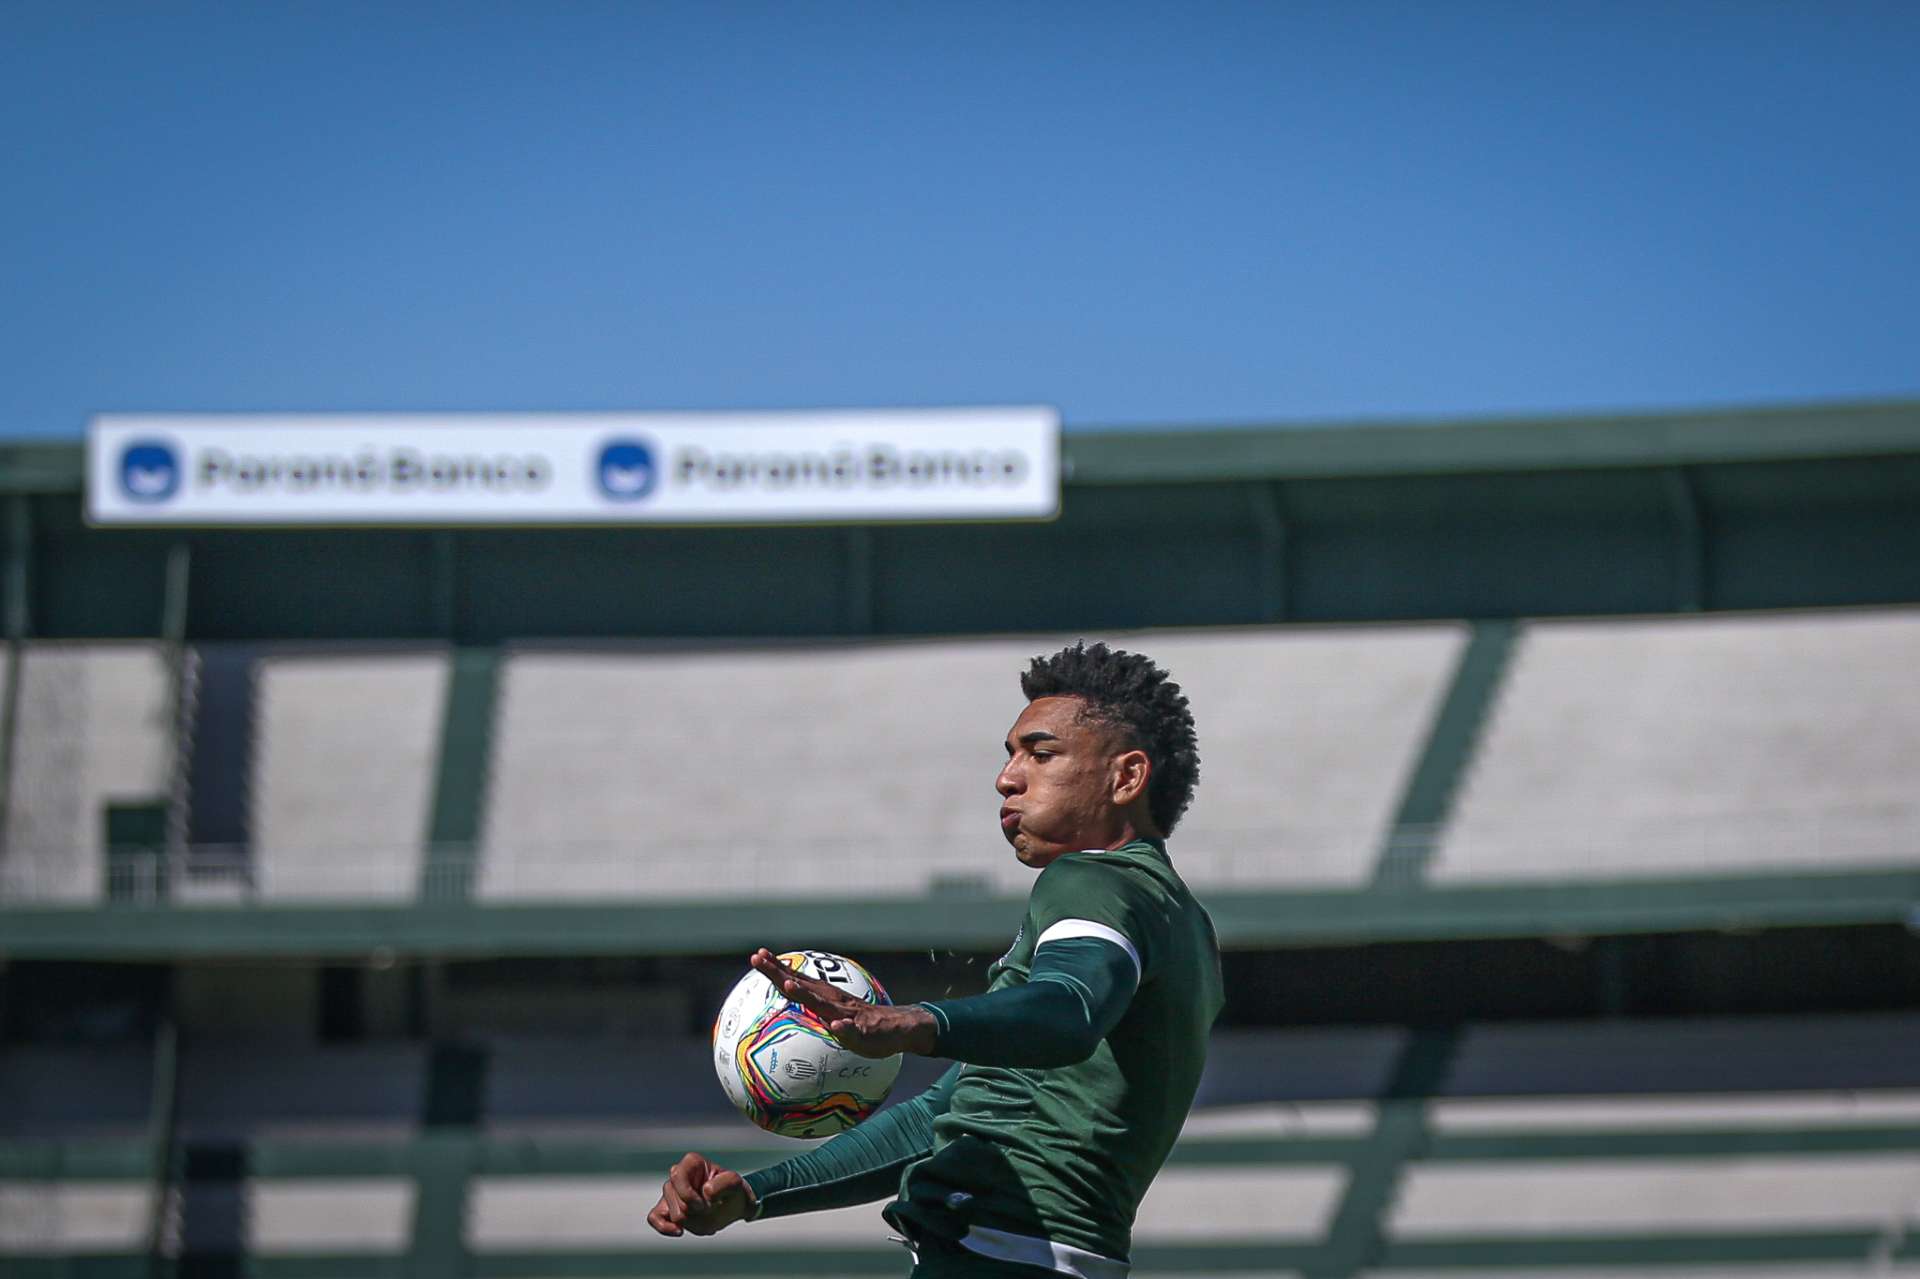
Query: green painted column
(1409, 848)
(1356, 1238)
(456, 1074)
(460, 785)
(444, 1160)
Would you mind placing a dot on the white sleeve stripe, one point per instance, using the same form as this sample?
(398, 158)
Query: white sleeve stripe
(1070, 928)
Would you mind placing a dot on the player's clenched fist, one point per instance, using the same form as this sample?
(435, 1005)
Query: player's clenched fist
(699, 1197)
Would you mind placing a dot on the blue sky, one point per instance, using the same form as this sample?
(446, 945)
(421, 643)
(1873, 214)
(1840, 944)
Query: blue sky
(1140, 213)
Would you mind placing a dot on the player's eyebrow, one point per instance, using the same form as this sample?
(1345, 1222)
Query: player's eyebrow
(1037, 735)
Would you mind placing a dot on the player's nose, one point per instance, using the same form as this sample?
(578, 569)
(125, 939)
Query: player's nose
(1007, 783)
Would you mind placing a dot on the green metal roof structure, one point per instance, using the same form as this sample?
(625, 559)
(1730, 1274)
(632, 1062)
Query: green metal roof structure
(1766, 508)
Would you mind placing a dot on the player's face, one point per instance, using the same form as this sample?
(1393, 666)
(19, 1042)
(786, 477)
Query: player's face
(1056, 790)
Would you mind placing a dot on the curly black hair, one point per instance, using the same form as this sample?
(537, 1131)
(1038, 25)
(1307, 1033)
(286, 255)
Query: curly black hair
(1129, 693)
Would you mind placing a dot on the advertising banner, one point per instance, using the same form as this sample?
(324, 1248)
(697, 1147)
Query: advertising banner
(575, 468)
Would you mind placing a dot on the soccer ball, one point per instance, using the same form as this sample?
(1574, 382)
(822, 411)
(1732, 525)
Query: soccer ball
(779, 1064)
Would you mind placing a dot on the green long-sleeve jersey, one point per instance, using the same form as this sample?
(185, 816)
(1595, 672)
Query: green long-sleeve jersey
(1077, 1070)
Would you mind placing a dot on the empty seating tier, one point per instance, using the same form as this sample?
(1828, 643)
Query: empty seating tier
(1684, 747)
(869, 770)
(344, 772)
(92, 729)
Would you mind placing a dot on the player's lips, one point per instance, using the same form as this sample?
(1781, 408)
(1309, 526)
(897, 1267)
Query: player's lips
(1009, 818)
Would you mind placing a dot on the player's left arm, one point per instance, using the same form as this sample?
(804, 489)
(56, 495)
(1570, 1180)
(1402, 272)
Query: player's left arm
(1099, 932)
(1079, 989)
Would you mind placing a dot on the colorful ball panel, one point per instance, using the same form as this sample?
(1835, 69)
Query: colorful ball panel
(783, 1069)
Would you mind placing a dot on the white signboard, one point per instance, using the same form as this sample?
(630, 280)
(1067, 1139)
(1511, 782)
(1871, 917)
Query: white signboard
(579, 468)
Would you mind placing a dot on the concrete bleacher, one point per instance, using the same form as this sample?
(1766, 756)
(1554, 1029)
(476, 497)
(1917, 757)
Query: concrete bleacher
(92, 728)
(1703, 1184)
(1307, 739)
(343, 773)
(1758, 1195)
(331, 1160)
(343, 1215)
(1185, 1205)
(1670, 747)
(53, 1218)
(1727, 1112)
(269, 1100)
(1697, 746)
(1770, 1178)
(805, 770)
(1718, 1188)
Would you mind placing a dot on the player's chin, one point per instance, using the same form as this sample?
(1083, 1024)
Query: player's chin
(1035, 857)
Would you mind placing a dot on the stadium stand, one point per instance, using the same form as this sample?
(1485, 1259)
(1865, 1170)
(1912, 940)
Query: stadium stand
(316, 1157)
(1690, 746)
(1660, 747)
(428, 997)
(92, 729)
(343, 773)
(1523, 1177)
(683, 771)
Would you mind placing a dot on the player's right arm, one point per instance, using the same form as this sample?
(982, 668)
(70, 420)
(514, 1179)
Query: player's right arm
(859, 1166)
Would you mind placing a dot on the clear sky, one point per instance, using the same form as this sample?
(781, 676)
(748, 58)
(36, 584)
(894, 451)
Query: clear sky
(1141, 213)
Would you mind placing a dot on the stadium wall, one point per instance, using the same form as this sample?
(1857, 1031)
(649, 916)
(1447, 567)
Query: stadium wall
(1765, 508)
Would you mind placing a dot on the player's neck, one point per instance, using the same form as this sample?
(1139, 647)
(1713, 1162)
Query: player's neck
(1131, 830)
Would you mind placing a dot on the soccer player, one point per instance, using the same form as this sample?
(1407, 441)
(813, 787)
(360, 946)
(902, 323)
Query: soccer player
(1077, 1067)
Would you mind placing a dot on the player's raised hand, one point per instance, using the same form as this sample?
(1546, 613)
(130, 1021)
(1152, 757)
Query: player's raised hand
(872, 1030)
(699, 1197)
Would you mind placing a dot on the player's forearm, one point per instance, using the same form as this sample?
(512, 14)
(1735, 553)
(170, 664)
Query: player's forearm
(1039, 1024)
(859, 1166)
(1077, 992)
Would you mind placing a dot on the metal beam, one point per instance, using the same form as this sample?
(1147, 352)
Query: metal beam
(1183, 452)
(1270, 526)
(1689, 540)
(1244, 920)
(1305, 450)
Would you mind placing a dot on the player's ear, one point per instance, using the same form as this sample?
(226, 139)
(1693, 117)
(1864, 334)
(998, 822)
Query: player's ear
(1131, 769)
